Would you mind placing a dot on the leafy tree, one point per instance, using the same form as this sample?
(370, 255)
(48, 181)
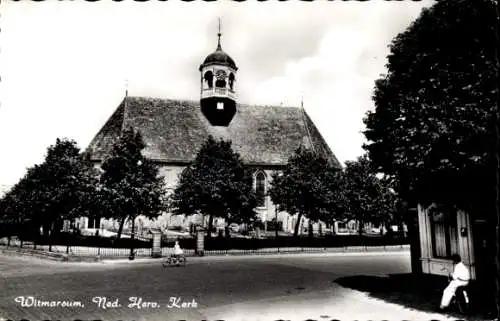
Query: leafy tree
(60, 188)
(306, 188)
(367, 198)
(15, 215)
(433, 128)
(129, 184)
(433, 125)
(216, 184)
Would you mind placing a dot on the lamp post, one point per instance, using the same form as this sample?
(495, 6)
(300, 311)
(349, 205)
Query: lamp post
(132, 252)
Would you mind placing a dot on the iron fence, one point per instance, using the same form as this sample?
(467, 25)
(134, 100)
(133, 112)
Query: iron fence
(167, 249)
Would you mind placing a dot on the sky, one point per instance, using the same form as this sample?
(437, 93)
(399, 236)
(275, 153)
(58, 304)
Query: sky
(65, 65)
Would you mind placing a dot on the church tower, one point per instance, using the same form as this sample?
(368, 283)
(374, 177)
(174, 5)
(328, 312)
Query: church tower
(218, 95)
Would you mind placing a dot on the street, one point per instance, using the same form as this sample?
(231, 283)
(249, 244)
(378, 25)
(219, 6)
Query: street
(289, 287)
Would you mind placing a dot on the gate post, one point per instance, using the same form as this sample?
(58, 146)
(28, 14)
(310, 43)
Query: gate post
(200, 241)
(156, 246)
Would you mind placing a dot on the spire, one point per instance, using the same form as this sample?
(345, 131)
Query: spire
(125, 105)
(219, 48)
(304, 117)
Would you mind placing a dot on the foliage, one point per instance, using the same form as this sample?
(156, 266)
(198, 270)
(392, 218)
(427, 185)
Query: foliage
(366, 197)
(60, 188)
(129, 182)
(216, 184)
(433, 126)
(307, 187)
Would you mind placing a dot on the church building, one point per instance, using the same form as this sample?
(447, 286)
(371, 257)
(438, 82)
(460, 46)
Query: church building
(174, 130)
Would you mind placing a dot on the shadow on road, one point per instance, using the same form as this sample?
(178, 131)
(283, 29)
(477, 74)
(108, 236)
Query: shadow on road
(415, 292)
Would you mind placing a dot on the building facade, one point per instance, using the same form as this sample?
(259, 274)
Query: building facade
(174, 130)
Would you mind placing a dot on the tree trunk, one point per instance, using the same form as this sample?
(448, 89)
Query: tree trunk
(360, 227)
(120, 228)
(311, 234)
(497, 259)
(210, 225)
(401, 231)
(414, 239)
(226, 230)
(50, 238)
(53, 227)
(297, 225)
(276, 222)
(132, 238)
(46, 230)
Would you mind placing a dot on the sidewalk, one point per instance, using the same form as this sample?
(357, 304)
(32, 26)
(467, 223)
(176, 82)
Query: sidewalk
(59, 253)
(335, 304)
(411, 291)
(262, 256)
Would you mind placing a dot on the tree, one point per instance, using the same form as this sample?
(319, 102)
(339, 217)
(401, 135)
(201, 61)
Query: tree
(15, 214)
(216, 184)
(306, 188)
(367, 198)
(130, 184)
(58, 189)
(434, 123)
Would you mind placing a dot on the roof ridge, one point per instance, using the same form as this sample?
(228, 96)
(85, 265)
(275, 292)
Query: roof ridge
(130, 97)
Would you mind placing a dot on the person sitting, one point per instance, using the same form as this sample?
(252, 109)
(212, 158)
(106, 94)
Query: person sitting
(178, 252)
(460, 277)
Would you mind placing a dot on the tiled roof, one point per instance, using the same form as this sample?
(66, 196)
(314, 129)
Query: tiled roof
(174, 130)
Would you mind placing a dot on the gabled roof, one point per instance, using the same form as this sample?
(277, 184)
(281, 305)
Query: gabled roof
(174, 130)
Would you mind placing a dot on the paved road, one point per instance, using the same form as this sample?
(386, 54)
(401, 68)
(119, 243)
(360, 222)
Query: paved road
(290, 287)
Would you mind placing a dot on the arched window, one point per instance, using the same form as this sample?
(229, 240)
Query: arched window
(209, 78)
(231, 81)
(220, 83)
(260, 189)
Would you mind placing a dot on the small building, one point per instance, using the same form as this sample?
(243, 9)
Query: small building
(444, 231)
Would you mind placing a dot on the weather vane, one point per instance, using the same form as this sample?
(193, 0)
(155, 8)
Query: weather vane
(218, 35)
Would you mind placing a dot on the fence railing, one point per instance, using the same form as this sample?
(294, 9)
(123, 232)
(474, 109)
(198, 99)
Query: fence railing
(108, 252)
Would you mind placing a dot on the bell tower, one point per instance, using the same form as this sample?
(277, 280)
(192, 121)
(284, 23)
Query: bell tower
(218, 94)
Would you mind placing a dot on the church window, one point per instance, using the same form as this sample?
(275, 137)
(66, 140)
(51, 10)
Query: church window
(220, 83)
(260, 189)
(209, 79)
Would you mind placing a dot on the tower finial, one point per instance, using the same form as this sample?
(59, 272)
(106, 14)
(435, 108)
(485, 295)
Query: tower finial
(218, 35)
(304, 118)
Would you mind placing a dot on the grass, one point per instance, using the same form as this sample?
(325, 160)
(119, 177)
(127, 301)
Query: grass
(414, 292)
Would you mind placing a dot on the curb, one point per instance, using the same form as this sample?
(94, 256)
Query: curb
(52, 256)
(249, 257)
(63, 257)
